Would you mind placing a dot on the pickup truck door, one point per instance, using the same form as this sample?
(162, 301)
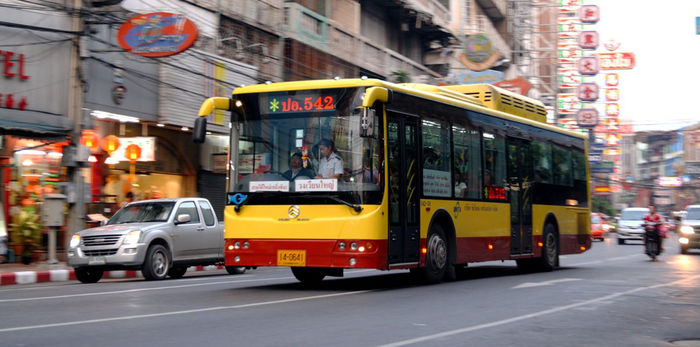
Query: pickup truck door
(187, 243)
(213, 234)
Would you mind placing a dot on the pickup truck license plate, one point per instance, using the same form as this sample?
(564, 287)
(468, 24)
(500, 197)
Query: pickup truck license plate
(295, 257)
(96, 260)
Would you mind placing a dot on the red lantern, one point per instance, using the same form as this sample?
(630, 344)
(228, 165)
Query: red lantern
(132, 152)
(110, 144)
(89, 139)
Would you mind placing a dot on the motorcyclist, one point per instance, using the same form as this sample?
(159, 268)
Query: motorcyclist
(653, 217)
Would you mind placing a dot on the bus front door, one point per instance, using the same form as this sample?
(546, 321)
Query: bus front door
(520, 193)
(404, 235)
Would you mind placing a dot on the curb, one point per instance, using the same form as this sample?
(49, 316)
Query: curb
(62, 275)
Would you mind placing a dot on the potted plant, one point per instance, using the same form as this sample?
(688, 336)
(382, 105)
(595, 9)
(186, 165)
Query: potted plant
(25, 233)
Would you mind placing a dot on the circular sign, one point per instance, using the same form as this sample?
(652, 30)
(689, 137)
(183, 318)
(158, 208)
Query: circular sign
(157, 34)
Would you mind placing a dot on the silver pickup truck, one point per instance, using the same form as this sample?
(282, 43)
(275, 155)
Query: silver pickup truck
(159, 237)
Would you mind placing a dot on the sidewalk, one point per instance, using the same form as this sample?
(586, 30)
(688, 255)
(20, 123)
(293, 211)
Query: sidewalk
(16, 273)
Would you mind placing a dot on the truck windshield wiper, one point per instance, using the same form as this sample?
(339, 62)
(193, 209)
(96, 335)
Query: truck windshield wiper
(355, 207)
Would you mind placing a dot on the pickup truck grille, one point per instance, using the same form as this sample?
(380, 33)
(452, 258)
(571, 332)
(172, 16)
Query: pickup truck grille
(102, 240)
(100, 252)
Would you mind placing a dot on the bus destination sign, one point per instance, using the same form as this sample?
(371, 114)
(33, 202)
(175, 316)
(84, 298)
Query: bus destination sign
(285, 103)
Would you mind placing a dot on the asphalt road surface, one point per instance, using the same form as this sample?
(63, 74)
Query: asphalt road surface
(612, 295)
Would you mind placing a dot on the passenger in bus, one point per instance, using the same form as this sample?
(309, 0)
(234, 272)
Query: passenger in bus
(296, 169)
(460, 184)
(330, 165)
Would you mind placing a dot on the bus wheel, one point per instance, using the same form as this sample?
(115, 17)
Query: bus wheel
(308, 275)
(550, 250)
(235, 270)
(157, 263)
(436, 259)
(88, 274)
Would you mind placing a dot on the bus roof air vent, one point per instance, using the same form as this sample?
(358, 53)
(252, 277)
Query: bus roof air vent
(503, 100)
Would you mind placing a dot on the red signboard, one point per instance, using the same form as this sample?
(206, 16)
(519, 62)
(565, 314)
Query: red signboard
(518, 85)
(616, 60)
(588, 39)
(589, 14)
(587, 117)
(588, 66)
(158, 34)
(587, 92)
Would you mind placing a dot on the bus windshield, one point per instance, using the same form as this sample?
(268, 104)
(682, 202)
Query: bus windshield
(304, 142)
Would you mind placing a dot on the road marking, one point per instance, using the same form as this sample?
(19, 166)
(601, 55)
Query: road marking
(533, 315)
(544, 283)
(173, 313)
(607, 260)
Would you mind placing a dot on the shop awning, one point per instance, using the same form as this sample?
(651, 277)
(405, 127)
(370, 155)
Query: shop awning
(34, 124)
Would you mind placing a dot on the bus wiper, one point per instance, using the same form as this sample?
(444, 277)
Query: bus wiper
(355, 207)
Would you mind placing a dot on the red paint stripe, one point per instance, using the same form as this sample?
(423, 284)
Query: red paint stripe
(71, 275)
(8, 278)
(199, 268)
(130, 273)
(43, 276)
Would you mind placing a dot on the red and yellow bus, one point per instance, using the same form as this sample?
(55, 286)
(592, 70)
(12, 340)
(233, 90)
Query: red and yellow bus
(426, 178)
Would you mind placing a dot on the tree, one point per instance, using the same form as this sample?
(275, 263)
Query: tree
(603, 206)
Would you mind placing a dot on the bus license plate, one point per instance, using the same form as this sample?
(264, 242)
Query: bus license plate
(295, 257)
(96, 261)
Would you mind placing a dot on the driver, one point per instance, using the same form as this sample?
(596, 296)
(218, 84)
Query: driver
(295, 168)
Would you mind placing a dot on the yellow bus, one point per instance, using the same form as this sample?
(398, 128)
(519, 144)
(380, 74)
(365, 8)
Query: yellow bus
(328, 175)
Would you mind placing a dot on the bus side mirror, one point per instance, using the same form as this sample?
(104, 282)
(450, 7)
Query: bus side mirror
(200, 130)
(367, 122)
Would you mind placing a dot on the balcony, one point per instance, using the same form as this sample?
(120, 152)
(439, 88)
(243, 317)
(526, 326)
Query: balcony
(328, 36)
(440, 15)
(495, 9)
(266, 15)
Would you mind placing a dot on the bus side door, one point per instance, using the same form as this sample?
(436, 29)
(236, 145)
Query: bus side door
(404, 234)
(519, 186)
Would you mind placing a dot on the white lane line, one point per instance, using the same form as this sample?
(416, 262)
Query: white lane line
(607, 260)
(173, 313)
(533, 315)
(544, 283)
(142, 289)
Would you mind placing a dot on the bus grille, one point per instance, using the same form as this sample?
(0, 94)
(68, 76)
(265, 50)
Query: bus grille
(101, 240)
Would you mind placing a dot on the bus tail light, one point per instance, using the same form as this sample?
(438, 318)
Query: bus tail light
(424, 250)
(490, 247)
(540, 244)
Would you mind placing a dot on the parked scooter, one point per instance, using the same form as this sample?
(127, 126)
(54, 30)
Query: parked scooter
(652, 238)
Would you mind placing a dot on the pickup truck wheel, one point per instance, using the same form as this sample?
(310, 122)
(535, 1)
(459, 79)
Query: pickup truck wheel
(88, 275)
(177, 271)
(235, 270)
(157, 263)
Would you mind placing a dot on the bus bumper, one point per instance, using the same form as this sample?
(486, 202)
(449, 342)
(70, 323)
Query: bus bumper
(347, 254)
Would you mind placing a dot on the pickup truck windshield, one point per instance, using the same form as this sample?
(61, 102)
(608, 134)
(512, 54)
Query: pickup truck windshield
(143, 212)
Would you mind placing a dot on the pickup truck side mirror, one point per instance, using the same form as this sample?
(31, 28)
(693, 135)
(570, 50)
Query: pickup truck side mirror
(183, 218)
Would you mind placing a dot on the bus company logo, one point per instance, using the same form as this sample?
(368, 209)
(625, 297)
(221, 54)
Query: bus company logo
(293, 211)
(238, 198)
(157, 34)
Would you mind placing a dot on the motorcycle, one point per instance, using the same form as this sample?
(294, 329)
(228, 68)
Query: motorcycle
(652, 239)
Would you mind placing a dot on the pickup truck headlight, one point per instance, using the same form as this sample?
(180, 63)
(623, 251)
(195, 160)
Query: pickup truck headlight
(687, 229)
(75, 241)
(132, 237)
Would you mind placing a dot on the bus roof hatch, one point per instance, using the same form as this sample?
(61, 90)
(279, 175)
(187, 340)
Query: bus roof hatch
(503, 100)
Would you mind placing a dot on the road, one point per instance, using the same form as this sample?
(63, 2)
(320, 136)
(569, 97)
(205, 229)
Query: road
(610, 296)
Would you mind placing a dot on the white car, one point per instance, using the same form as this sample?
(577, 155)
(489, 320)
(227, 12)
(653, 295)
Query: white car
(629, 226)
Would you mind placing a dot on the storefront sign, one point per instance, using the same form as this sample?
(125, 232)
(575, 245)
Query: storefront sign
(587, 118)
(589, 14)
(616, 60)
(588, 66)
(13, 68)
(158, 34)
(588, 39)
(670, 181)
(587, 92)
(479, 54)
(487, 76)
(147, 145)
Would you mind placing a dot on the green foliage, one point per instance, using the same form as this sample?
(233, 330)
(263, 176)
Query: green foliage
(401, 76)
(26, 229)
(603, 206)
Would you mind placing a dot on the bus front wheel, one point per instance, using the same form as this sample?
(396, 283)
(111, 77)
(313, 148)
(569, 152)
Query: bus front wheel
(308, 275)
(436, 257)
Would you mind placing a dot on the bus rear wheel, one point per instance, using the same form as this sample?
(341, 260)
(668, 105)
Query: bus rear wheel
(308, 275)
(436, 257)
(550, 249)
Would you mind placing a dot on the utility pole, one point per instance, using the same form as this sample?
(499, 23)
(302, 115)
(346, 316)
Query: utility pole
(76, 215)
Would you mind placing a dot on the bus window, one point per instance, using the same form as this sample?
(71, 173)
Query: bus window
(437, 180)
(561, 158)
(542, 160)
(578, 160)
(467, 162)
(494, 148)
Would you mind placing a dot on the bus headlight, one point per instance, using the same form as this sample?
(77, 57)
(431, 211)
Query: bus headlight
(74, 241)
(132, 237)
(687, 229)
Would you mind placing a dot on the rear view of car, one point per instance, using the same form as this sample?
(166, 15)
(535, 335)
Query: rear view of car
(689, 231)
(597, 227)
(630, 224)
